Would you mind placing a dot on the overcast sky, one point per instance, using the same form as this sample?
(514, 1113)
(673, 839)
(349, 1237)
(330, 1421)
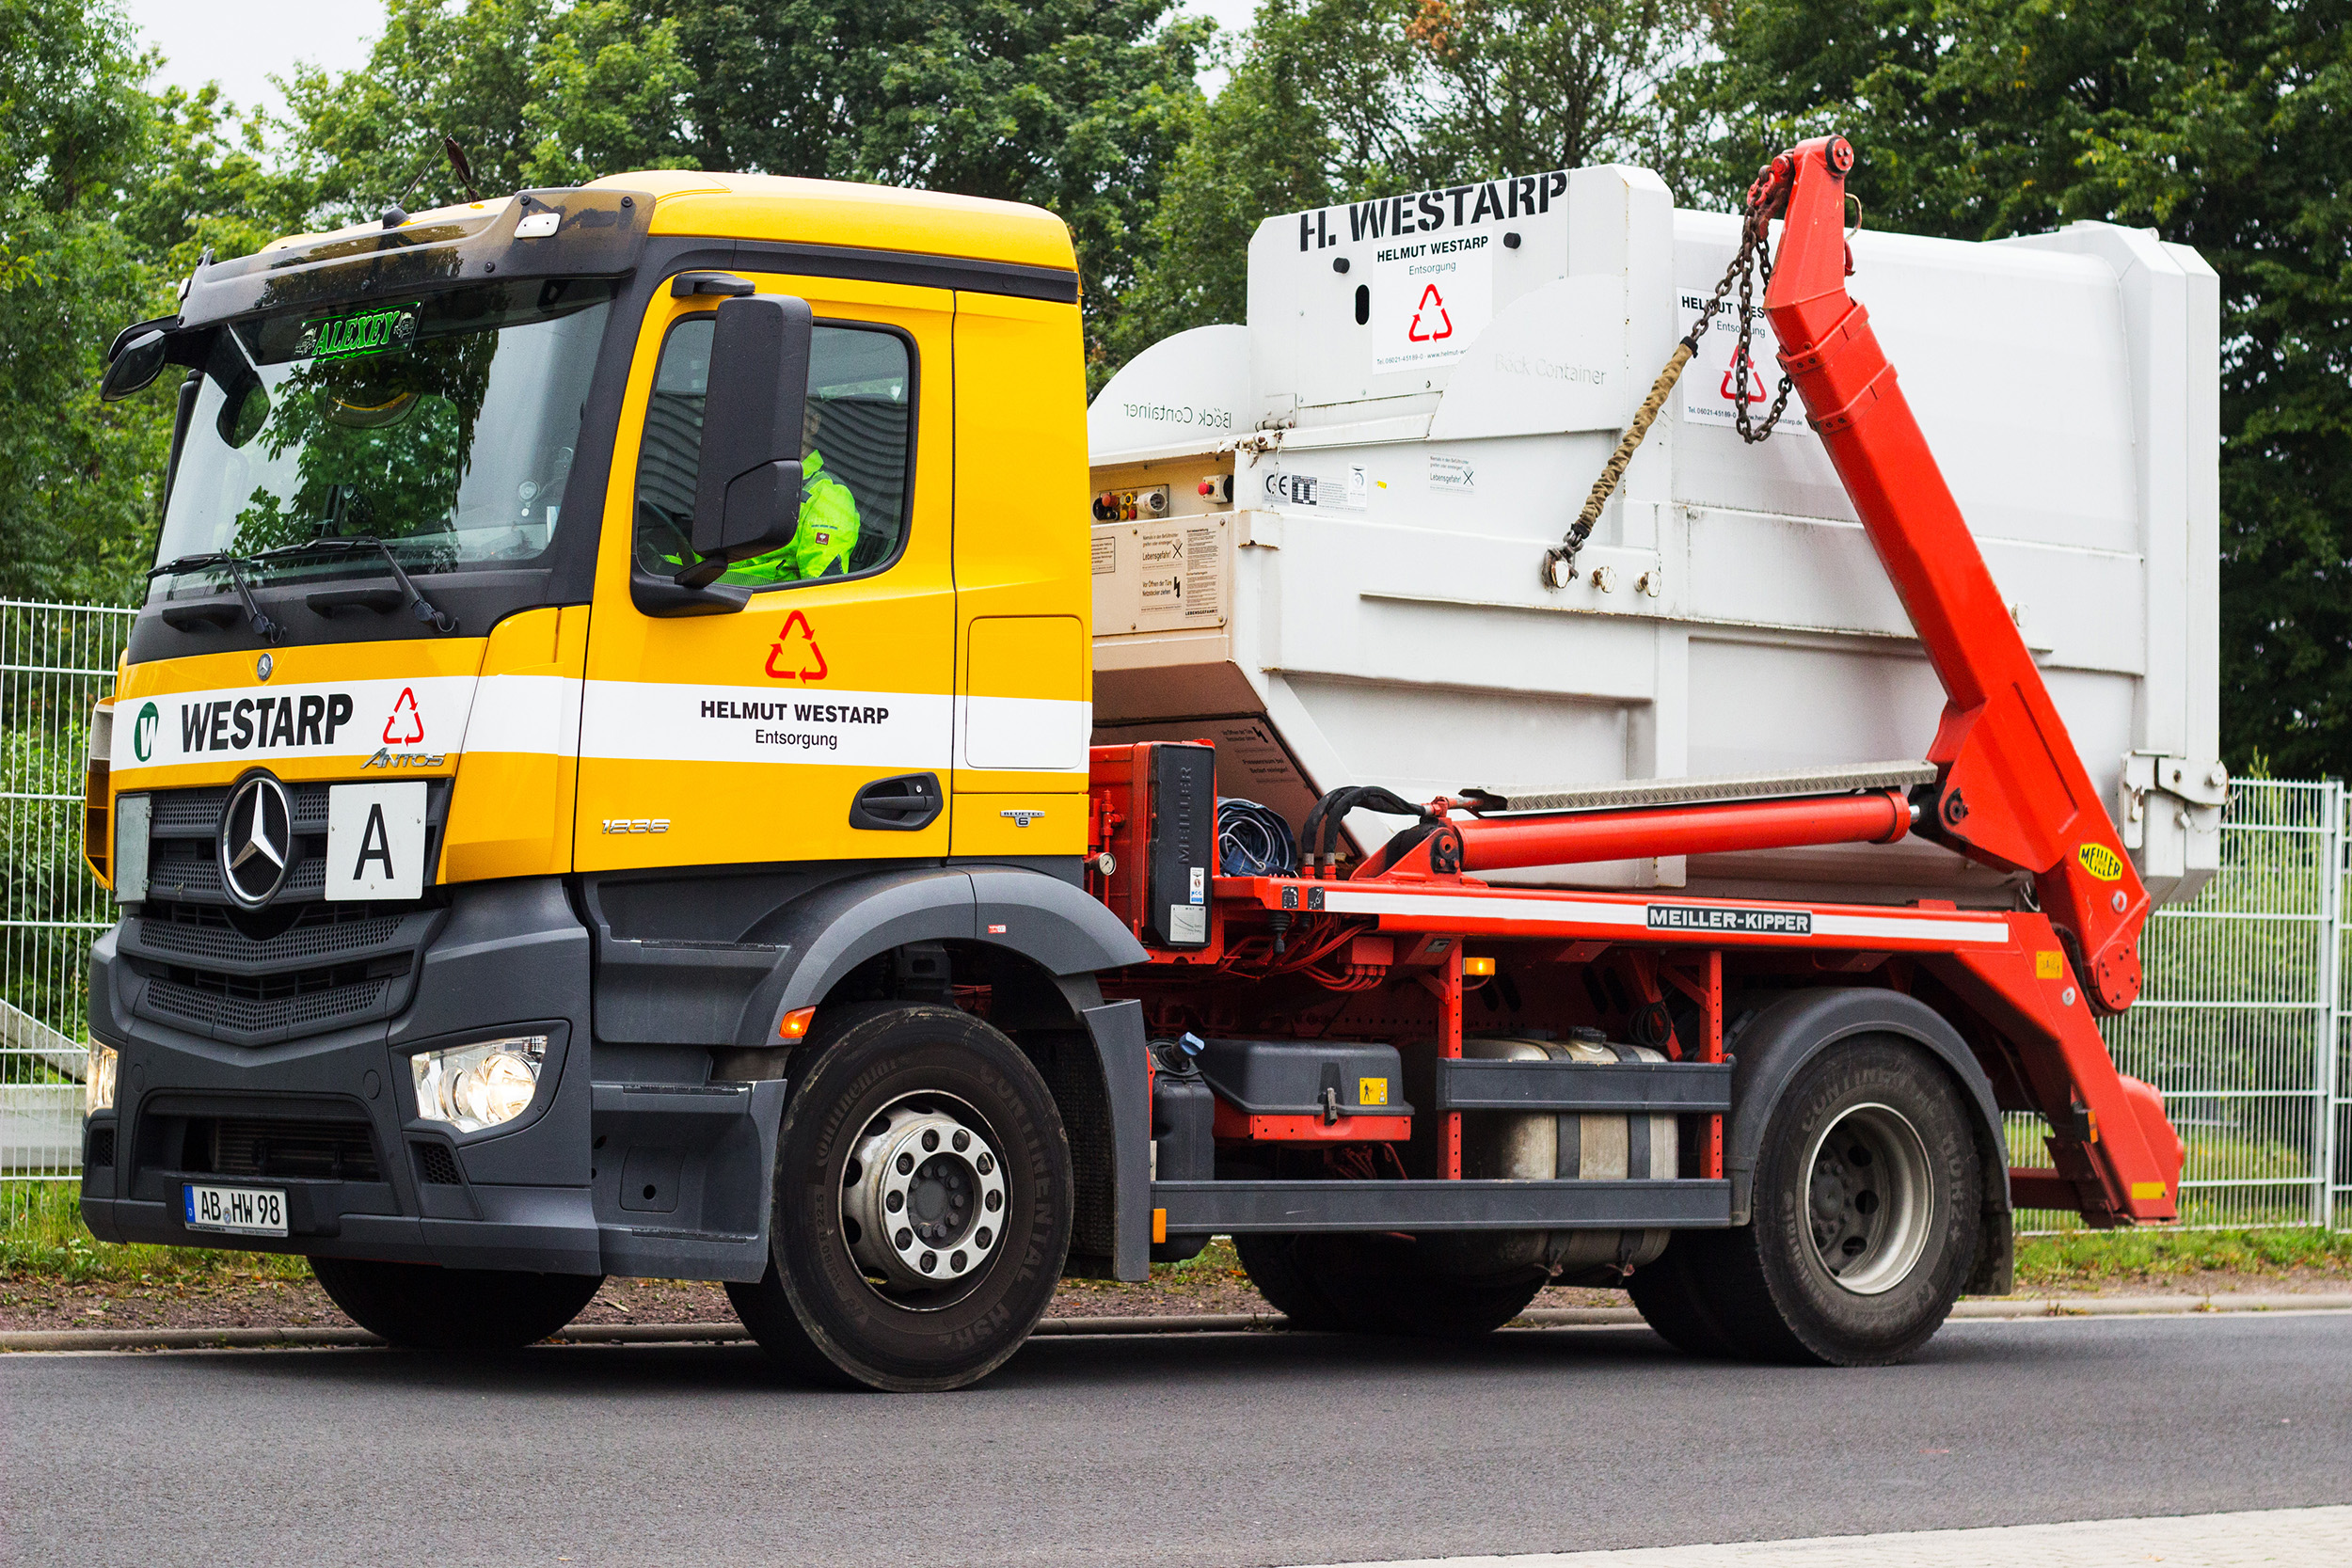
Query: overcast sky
(242, 43)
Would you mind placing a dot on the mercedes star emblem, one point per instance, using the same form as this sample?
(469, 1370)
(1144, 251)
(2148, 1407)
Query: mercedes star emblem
(261, 667)
(256, 840)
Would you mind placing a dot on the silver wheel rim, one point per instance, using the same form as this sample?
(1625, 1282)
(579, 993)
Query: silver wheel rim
(1869, 1198)
(923, 1200)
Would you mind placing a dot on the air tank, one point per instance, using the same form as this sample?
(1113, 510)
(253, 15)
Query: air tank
(1547, 1145)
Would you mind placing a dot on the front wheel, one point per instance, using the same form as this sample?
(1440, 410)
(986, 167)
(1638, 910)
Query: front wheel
(923, 1204)
(433, 1309)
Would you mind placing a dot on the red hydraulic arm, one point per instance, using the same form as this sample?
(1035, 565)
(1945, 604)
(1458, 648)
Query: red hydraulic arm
(2010, 791)
(2014, 793)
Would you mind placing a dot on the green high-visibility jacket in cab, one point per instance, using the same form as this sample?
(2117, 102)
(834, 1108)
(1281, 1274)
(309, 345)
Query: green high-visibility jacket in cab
(827, 534)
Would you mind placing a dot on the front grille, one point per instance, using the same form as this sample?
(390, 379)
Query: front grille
(188, 811)
(198, 811)
(326, 1150)
(322, 931)
(239, 1006)
(436, 1165)
(300, 964)
(101, 1150)
(190, 868)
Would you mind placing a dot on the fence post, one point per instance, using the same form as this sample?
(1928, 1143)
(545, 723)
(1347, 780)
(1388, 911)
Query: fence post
(2332, 958)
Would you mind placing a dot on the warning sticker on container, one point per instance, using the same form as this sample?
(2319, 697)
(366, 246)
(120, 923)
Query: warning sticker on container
(1161, 554)
(1712, 394)
(1105, 554)
(1453, 474)
(1201, 571)
(1429, 300)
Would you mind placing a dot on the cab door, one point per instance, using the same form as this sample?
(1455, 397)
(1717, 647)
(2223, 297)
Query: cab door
(816, 722)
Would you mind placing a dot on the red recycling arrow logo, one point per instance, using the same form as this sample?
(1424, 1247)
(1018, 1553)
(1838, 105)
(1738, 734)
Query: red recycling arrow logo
(1755, 388)
(406, 704)
(1429, 297)
(807, 654)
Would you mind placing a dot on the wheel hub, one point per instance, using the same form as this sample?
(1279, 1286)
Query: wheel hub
(1869, 1198)
(923, 1197)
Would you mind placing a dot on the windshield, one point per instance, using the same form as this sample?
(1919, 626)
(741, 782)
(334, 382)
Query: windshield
(442, 425)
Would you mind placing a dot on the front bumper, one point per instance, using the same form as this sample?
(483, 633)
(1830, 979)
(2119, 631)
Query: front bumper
(363, 1177)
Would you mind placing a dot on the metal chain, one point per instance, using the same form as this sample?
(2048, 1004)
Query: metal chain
(1754, 259)
(1753, 248)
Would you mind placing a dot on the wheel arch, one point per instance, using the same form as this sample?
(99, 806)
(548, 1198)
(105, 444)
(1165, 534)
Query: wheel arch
(1775, 1045)
(1041, 941)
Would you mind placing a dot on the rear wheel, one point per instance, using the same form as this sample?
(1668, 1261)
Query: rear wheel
(1379, 1284)
(1672, 1296)
(923, 1204)
(433, 1309)
(1866, 1211)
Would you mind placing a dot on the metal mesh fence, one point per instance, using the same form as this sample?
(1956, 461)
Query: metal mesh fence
(2240, 1019)
(2245, 1022)
(56, 660)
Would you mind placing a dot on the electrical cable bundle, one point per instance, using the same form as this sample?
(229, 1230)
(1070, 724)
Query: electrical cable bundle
(1253, 841)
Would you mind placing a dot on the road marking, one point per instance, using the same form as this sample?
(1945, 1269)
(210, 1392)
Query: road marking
(2275, 1536)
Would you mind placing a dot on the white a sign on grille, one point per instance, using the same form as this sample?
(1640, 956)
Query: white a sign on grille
(375, 841)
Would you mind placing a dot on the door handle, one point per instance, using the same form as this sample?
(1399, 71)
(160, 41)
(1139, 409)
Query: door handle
(899, 805)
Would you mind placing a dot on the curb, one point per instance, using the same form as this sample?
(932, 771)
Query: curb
(2127, 1306)
(1200, 1322)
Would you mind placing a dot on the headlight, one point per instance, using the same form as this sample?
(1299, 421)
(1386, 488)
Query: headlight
(98, 1086)
(473, 1087)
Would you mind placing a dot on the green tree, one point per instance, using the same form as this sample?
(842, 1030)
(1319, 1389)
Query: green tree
(77, 496)
(1338, 99)
(1077, 106)
(2221, 123)
(538, 92)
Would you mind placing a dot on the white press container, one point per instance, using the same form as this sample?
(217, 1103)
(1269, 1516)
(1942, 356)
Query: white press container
(1425, 390)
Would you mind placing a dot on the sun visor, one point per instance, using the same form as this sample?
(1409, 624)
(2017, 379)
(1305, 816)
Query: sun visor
(542, 233)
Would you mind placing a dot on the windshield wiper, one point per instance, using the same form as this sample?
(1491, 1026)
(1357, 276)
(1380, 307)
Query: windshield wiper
(263, 627)
(421, 608)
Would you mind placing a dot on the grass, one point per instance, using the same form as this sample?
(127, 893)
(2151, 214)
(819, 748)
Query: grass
(2093, 1258)
(42, 1237)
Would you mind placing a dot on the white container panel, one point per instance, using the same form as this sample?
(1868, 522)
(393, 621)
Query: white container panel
(1392, 499)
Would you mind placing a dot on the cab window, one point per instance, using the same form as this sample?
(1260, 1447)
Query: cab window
(854, 452)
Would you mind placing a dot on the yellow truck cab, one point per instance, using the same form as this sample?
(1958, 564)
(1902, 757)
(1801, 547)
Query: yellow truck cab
(591, 629)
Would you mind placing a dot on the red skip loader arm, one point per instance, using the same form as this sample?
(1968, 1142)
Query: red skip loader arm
(2010, 791)
(2014, 793)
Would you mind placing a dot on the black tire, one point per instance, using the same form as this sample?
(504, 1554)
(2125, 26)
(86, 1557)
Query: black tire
(1287, 1283)
(1673, 1297)
(1770, 1284)
(832, 1318)
(433, 1309)
(1379, 1284)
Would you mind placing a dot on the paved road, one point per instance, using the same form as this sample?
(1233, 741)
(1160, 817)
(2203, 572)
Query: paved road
(1208, 1449)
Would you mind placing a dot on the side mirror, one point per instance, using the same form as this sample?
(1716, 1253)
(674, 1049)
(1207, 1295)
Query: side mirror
(135, 368)
(747, 488)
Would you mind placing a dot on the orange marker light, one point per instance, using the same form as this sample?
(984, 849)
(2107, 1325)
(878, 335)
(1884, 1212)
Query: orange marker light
(1478, 966)
(794, 1024)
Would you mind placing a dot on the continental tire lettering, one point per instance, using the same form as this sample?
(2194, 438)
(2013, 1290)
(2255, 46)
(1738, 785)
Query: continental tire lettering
(1752, 923)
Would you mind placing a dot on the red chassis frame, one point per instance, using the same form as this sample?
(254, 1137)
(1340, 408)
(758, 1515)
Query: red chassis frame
(2010, 791)
(2002, 979)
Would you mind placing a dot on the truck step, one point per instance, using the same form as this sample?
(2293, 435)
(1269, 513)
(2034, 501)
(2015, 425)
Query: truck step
(1837, 780)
